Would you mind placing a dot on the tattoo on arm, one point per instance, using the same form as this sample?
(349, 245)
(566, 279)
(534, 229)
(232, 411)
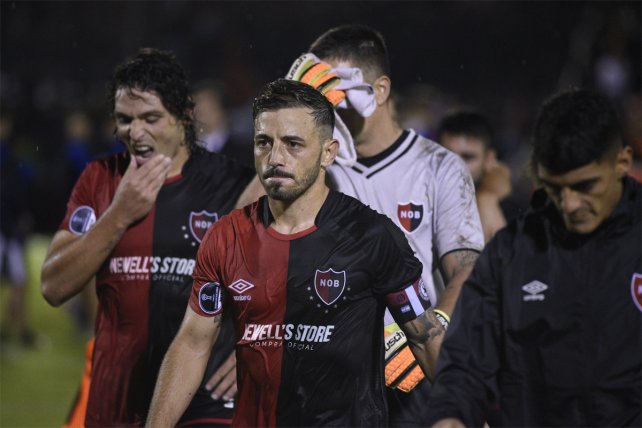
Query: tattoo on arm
(462, 260)
(424, 328)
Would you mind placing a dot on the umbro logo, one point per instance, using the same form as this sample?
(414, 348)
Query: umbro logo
(240, 286)
(534, 290)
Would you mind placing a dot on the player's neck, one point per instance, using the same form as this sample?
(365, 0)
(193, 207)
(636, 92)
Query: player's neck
(178, 161)
(381, 134)
(298, 215)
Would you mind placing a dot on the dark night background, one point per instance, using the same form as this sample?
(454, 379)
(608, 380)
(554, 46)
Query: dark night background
(502, 58)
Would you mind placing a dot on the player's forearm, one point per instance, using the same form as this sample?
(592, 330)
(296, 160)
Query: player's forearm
(449, 423)
(70, 266)
(180, 375)
(457, 266)
(178, 380)
(491, 215)
(426, 355)
(424, 335)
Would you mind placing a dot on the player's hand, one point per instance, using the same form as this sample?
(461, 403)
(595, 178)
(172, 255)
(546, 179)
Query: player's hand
(138, 188)
(223, 381)
(496, 181)
(402, 370)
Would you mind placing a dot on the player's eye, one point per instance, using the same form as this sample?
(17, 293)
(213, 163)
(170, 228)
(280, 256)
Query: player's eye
(584, 186)
(122, 120)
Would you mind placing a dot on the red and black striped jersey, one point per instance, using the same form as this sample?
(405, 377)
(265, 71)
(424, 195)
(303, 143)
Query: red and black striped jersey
(145, 283)
(308, 310)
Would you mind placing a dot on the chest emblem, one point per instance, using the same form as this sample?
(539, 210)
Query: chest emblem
(533, 291)
(240, 286)
(329, 285)
(199, 222)
(636, 289)
(410, 216)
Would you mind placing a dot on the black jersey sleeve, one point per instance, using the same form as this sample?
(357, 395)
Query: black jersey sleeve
(207, 290)
(398, 267)
(81, 208)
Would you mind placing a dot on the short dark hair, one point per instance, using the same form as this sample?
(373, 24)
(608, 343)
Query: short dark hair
(363, 46)
(283, 93)
(153, 70)
(573, 129)
(469, 124)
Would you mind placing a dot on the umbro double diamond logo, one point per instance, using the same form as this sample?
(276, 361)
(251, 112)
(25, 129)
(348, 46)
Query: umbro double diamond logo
(240, 286)
(533, 291)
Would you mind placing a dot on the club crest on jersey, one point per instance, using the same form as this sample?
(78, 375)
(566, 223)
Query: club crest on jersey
(329, 285)
(410, 216)
(199, 223)
(636, 289)
(209, 297)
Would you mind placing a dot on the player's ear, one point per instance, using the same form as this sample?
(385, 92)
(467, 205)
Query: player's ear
(623, 161)
(381, 88)
(330, 150)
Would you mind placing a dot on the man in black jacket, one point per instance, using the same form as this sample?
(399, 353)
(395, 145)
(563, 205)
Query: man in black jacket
(553, 329)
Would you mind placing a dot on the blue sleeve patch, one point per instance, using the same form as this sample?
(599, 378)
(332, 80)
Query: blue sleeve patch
(82, 219)
(209, 298)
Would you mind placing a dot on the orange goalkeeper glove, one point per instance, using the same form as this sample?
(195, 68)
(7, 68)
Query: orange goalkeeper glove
(402, 370)
(311, 70)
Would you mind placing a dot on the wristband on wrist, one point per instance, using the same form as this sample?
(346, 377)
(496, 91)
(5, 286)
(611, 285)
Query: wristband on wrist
(442, 317)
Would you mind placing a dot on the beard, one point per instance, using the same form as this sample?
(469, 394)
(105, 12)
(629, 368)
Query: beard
(290, 192)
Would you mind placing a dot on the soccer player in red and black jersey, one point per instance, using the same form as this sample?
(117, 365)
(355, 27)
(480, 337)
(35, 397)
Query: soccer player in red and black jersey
(133, 224)
(305, 273)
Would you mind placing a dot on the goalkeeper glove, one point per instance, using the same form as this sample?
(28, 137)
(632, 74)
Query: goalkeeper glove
(402, 370)
(311, 70)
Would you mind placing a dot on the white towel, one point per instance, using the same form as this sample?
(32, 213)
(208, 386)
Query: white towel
(359, 96)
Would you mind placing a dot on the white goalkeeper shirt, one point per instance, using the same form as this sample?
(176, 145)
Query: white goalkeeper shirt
(426, 190)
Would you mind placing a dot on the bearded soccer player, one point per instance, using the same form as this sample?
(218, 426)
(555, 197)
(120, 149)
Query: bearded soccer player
(133, 224)
(426, 190)
(306, 273)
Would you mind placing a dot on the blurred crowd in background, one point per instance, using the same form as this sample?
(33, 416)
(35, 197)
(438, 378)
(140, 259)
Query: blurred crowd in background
(498, 58)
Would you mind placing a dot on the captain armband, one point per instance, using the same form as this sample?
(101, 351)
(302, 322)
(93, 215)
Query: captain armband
(442, 317)
(409, 303)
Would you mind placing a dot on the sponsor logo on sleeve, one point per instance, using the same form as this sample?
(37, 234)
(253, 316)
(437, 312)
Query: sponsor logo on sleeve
(636, 289)
(329, 285)
(199, 222)
(423, 291)
(209, 297)
(82, 219)
(410, 216)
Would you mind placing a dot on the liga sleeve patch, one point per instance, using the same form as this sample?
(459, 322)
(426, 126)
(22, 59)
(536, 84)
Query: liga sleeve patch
(82, 219)
(209, 298)
(407, 304)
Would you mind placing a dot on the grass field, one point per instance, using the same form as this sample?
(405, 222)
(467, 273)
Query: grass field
(38, 384)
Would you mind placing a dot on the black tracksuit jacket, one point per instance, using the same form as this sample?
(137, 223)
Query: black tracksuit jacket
(547, 331)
